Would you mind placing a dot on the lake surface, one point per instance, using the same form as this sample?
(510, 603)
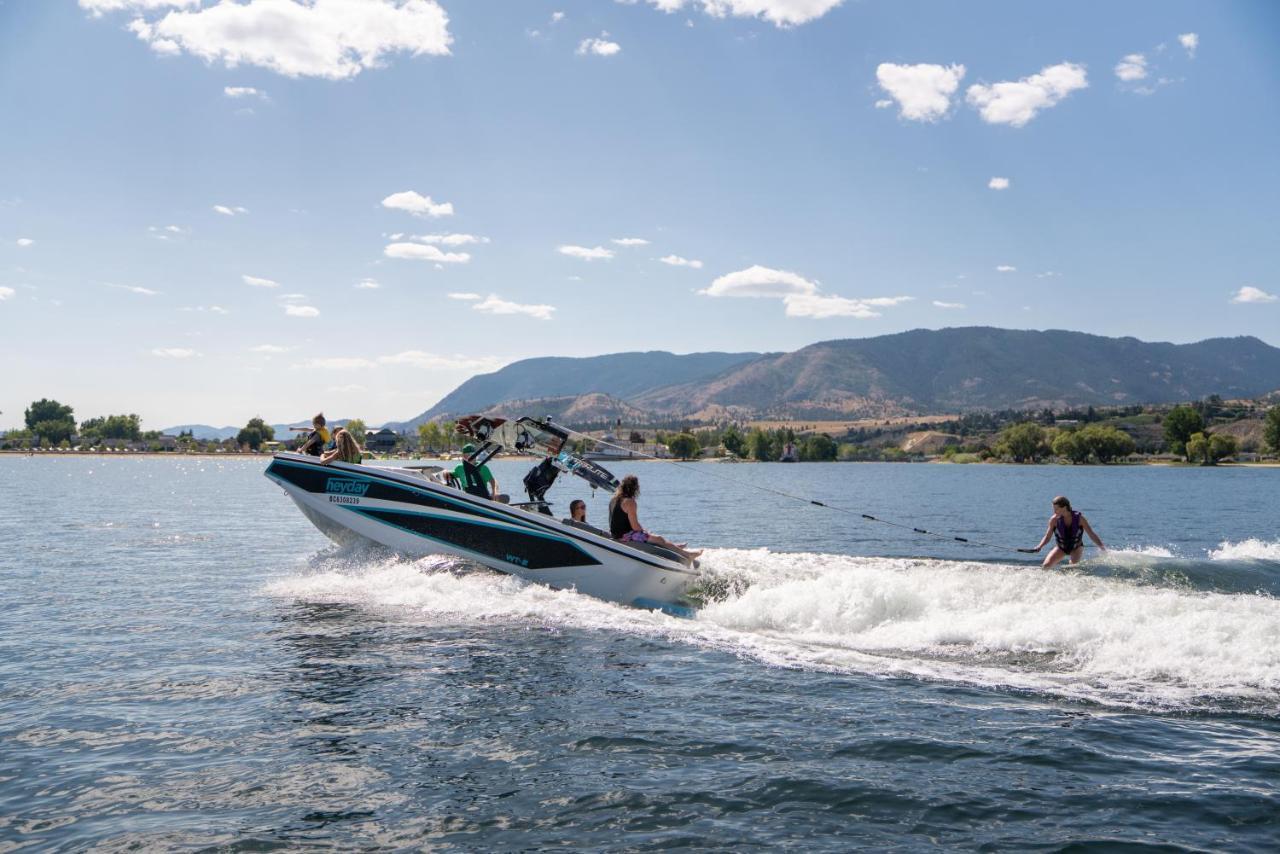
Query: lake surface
(186, 662)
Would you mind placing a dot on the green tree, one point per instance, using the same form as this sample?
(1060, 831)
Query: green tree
(760, 445)
(683, 446)
(53, 432)
(1107, 443)
(1271, 429)
(818, 447)
(1024, 442)
(1222, 446)
(357, 430)
(733, 440)
(94, 430)
(45, 409)
(1180, 425)
(255, 433)
(449, 434)
(1070, 445)
(1197, 449)
(50, 421)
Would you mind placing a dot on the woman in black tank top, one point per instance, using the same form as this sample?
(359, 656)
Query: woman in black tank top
(624, 520)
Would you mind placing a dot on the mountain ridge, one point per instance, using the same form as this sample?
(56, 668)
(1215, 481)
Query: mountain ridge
(916, 372)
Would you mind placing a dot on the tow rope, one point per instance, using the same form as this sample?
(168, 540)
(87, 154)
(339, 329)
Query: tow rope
(793, 497)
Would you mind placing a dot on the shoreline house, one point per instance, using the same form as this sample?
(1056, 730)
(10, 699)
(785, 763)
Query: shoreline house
(381, 442)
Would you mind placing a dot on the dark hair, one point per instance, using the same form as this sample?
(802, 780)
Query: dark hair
(630, 487)
(576, 503)
(319, 419)
(1061, 501)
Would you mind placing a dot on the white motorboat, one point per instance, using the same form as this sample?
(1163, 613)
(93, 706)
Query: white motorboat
(416, 512)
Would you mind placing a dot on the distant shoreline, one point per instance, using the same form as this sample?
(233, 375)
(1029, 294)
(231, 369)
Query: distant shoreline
(936, 460)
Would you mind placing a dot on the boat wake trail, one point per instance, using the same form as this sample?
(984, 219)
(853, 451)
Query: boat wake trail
(1139, 629)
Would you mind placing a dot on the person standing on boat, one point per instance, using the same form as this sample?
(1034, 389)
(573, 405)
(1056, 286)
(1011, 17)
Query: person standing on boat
(475, 479)
(624, 521)
(345, 449)
(1067, 527)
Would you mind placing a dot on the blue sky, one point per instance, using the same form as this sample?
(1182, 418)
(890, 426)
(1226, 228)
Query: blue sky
(212, 211)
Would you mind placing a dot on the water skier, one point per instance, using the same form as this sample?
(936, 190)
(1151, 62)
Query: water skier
(1067, 527)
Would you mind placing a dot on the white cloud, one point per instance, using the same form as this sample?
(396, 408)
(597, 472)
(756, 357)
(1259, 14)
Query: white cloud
(269, 348)
(1047, 274)
(203, 309)
(941, 304)
(757, 281)
(135, 289)
(436, 362)
(174, 352)
(228, 210)
(819, 306)
(1132, 68)
(7, 293)
(598, 47)
(584, 253)
(367, 285)
(332, 39)
(295, 310)
(1189, 41)
(630, 241)
(166, 232)
(557, 17)
(1249, 293)
(1016, 102)
(1006, 268)
(100, 7)
(494, 304)
(24, 242)
(780, 13)
(445, 239)
(465, 296)
(421, 252)
(417, 204)
(257, 282)
(244, 92)
(337, 363)
(800, 296)
(677, 261)
(885, 302)
(998, 183)
(923, 91)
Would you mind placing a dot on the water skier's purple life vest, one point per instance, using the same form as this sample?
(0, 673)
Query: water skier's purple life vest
(1069, 538)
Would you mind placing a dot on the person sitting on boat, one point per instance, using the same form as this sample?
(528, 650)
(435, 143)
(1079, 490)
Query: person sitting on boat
(475, 479)
(1068, 528)
(317, 439)
(345, 449)
(578, 511)
(624, 521)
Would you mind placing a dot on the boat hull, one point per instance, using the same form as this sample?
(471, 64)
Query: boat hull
(413, 516)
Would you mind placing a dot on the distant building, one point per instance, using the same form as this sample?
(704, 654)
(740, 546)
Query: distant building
(382, 442)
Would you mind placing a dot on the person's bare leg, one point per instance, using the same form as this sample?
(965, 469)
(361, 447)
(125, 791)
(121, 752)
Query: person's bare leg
(1077, 555)
(1055, 557)
(667, 544)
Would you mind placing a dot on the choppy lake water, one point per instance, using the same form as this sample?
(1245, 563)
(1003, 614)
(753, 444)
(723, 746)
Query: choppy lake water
(186, 662)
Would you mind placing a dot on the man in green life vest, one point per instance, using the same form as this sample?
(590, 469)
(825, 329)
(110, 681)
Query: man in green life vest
(475, 480)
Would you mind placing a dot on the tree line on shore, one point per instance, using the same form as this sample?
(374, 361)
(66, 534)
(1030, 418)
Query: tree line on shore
(1075, 436)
